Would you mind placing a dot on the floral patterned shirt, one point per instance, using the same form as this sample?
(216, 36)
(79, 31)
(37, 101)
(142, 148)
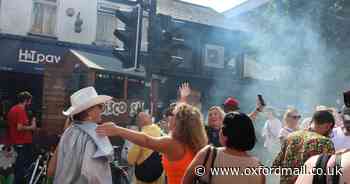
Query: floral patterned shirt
(297, 148)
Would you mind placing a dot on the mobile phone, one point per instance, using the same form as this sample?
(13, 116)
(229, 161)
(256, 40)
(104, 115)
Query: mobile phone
(261, 100)
(346, 95)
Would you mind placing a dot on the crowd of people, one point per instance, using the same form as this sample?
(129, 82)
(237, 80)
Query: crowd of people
(172, 150)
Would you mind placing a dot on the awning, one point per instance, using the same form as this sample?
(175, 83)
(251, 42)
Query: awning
(103, 63)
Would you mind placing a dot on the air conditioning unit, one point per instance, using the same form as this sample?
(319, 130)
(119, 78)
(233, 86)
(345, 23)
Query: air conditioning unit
(214, 56)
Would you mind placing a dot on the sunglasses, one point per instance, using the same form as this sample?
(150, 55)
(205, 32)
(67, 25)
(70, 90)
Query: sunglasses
(295, 117)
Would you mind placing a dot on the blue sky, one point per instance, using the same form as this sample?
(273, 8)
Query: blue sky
(218, 5)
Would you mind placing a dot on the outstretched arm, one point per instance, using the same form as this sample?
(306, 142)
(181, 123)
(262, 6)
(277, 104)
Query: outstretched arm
(160, 144)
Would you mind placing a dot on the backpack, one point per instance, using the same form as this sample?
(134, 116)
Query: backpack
(151, 169)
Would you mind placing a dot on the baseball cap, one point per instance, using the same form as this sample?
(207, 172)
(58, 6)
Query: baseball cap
(231, 101)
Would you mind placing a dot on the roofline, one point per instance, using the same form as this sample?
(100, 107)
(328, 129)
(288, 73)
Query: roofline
(242, 4)
(239, 5)
(202, 24)
(197, 5)
(85, 60)
(233, 8)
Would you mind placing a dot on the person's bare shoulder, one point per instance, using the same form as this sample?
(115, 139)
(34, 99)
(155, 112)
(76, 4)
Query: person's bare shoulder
(311, 162)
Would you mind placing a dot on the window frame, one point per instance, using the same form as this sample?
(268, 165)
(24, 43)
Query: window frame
(106, 7)
(47, 2)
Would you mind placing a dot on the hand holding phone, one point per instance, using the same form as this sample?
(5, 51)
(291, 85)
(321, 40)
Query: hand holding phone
(261, 100)
(346, 95)
(261, 103)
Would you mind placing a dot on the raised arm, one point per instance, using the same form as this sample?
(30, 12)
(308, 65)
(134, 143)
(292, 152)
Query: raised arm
(185, 92)
(160, 144)
(259, 108)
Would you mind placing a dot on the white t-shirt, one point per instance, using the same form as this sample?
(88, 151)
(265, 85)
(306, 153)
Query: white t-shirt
(270, 132)
(340, 140)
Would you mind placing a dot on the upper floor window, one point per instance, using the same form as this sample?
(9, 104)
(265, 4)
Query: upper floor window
(107, 23)
(44, 17)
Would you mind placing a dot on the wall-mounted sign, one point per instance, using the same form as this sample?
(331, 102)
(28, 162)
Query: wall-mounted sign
(122, 110)
(214, 56)
(36, 57)
(70, 12)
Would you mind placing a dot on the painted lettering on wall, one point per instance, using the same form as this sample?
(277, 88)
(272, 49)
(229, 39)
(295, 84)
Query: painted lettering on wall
(35, 57)
(117, 108)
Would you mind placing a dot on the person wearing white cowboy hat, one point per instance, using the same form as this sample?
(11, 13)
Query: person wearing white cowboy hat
(84, 99)
(82, 156)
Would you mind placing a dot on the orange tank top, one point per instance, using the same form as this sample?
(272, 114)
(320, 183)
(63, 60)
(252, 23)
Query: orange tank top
(175, 170)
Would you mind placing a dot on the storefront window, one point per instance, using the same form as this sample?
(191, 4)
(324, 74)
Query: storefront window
(106, 24)
(136, 89)
(111, 85)
(44, 17)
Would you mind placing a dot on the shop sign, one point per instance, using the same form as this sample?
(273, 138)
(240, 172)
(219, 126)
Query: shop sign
(122, 107)
(35, 57)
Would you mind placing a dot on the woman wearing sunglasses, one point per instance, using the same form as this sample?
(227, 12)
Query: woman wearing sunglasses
(290, 123)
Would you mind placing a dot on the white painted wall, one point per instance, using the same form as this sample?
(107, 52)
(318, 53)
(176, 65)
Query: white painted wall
(65, 24)
(16, 16)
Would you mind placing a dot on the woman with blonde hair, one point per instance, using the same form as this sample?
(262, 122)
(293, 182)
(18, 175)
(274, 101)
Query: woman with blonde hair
(215, 118)
(187, 137)
(290, 123)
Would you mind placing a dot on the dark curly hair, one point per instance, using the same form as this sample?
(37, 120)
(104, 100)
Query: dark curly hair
(239, 130)
(23, 96)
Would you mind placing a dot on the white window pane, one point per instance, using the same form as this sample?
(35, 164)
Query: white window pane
(49, 20)
(106, 24)
(44, 18)
(38, 18)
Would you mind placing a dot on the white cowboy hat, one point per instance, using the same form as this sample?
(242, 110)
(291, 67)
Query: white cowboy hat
(84, 99)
